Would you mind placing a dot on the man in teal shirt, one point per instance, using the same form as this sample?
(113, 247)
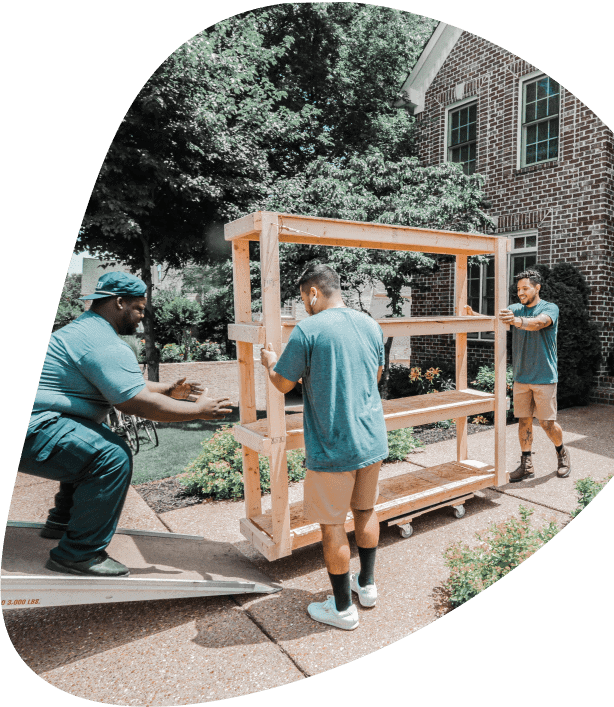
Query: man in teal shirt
(339, 354)
(534, 352)
(87, 370)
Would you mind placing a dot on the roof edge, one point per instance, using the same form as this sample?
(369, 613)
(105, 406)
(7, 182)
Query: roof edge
(429, 63)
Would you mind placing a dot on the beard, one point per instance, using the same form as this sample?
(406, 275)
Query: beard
(127, 328)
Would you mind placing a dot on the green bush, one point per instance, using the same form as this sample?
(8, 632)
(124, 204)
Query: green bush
(485, 380)
(207, 351)
(400, 444)
(579, 346)
(587, 489)
(505, 546)
(218, 470)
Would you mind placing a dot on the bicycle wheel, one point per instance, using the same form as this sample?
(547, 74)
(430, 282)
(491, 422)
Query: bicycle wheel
(131, 432)
(152, 432)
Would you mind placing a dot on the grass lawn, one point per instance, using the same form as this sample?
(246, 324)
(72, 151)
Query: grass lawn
(180, 442)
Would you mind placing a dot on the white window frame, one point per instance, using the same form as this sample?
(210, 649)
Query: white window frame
(450, 109)
(514, 251)
(520, 164)
(288, 310)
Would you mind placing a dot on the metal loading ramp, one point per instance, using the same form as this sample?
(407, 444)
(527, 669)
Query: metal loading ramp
(162, 566)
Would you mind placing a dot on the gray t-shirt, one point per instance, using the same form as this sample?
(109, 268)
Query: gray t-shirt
(87, 369)
(534, 352)
(337, 353)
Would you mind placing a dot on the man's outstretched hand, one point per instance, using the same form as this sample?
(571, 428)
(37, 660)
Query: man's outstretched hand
(213, 408)
(180, 390)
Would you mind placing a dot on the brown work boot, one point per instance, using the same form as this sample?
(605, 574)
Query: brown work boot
(564, 463)
(524, 470)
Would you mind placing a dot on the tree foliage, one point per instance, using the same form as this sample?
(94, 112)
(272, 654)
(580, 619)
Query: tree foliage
(70, 306)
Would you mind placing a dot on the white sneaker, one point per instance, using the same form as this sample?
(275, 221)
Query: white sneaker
(326, 613)
(366, 595)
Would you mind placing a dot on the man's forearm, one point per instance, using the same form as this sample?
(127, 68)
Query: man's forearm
(163, 388)
(160, 407)
(531, 323)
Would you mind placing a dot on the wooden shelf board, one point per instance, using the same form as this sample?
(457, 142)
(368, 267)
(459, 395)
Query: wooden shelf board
(398, 413)
(397, 495)
(293, 228)
(254, 332)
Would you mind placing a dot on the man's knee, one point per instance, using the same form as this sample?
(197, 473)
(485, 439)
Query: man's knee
(547, 425)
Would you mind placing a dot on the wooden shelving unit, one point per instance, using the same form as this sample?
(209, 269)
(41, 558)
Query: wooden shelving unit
(278, 531)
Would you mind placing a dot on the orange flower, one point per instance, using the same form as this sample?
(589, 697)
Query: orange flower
(414, 374)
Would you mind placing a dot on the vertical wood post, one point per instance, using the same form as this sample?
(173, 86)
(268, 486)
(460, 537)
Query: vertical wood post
(460, 297)
(500, 360)
(247, 386)
(271, 310)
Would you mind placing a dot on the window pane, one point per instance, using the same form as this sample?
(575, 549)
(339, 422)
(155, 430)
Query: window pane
(463, 134)
(554, 127)
(553, 151)
(554, 87)
(553, 105)
(473, 113)
(530, 92)
(531, 134)
(530, 112)
(490, 267)
(542, 151)
(543, 88)
(519, 242)
(531, 154)
(542, 109)
(455, 120)
(542, 130)
(531, 242)
(472, 131)
(530, 261)
(489, 307)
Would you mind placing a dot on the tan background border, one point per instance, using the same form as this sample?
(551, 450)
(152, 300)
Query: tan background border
(542, 636)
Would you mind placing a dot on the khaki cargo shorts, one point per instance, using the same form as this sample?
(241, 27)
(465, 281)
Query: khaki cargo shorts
(329, 495)
(535, 401)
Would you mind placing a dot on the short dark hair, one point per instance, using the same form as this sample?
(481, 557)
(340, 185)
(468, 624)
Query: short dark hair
(322, 276)
(532, 275)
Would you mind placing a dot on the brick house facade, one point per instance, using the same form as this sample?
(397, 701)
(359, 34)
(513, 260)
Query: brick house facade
(549, 167)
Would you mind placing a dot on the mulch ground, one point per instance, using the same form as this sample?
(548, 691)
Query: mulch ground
(166, 495)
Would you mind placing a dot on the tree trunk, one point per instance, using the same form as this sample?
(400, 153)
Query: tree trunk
(151, 352)
(384, 383)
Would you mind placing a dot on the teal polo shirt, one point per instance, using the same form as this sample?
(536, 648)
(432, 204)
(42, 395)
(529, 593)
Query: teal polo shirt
(87, 369)
(337, 353)
(534, 353)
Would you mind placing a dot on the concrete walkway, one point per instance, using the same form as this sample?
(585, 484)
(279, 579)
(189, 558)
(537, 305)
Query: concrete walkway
(196, 650)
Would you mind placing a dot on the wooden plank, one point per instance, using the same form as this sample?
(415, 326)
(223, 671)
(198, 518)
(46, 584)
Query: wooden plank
(398, 413)
(247, 383)
(252, 333)
(276, 418)
(410, 516)
(356, 234)
(249, 225)
(407, 493)
(460, 296)
(253, 440)
(500, 360)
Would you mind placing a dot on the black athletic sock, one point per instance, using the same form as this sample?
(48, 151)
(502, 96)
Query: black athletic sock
(559, 448)
(526, 454)
(367, 565)
(341, 590)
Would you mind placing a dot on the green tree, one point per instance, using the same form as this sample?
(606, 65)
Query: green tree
(175, 318)
(70, 306)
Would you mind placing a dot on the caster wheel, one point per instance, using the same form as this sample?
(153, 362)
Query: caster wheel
(406, 530)
(459, 511)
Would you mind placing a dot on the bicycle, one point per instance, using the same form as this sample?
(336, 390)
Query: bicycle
(125, 426)
(150, 429)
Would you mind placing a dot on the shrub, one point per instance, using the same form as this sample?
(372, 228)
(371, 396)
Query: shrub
(171, 353)
(207, 351)
(505, 547)
(579, 346)
(485, 380)
(218, 470)
(400, 444)
(587, 489)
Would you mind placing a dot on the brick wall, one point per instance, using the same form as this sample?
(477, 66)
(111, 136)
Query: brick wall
(570, 202)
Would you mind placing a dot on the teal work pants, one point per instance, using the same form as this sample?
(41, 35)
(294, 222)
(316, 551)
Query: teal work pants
(94, 468)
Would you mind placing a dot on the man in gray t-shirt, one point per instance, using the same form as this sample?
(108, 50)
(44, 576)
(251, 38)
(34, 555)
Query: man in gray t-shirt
(338, 353)
(535, 323)
(87, 370)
